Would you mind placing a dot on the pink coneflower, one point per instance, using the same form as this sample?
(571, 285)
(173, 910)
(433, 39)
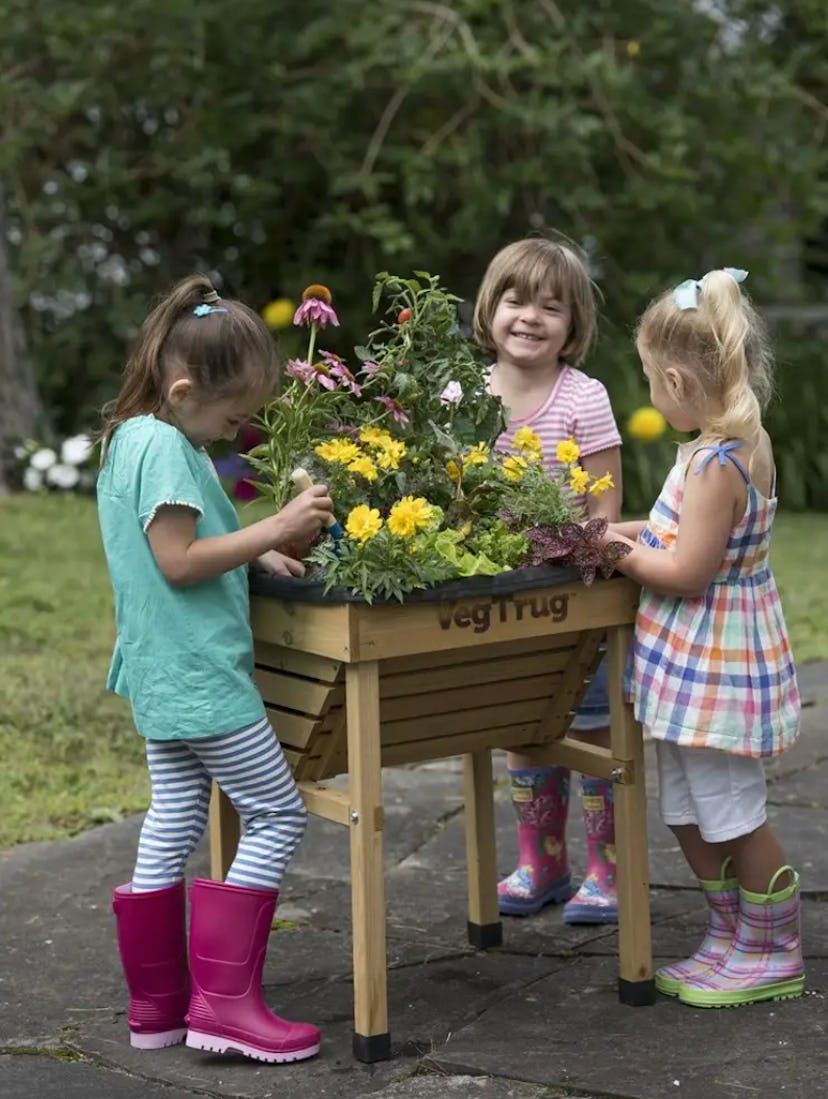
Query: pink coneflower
(323, 375)
(341, 371)
(395, 409)
(371, 368)
(316, 308)
(298, 368)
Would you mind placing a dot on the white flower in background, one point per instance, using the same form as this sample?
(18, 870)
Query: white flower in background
(20, 453)
(452, 394)
(32, 480)
(62, 476)
(76, 450)
(43, 459)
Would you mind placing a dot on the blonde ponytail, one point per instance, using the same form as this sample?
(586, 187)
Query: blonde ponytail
(718, 343)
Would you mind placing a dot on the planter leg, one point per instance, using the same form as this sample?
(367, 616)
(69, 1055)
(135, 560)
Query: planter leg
(372, 1041)
(224, 833)
(636, 986)
(484, 927)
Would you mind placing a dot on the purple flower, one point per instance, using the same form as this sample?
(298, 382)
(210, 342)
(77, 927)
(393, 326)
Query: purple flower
(315, 311)
(395, 409)
(340, 370)
(298, 368)
(371, 368)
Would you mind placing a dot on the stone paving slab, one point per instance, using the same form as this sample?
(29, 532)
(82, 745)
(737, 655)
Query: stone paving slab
(573, 1034)
(33, 1077)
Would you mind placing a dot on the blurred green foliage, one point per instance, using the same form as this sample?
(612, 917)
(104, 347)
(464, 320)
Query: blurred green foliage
(276, 144)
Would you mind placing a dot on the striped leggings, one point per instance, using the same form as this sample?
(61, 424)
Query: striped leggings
(250, 767)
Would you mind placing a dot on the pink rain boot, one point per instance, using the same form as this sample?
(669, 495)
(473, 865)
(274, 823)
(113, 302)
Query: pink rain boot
(541, 799)
(229, 929)
(597, 899)
(764, 961)
(723, 911)
(152, 941)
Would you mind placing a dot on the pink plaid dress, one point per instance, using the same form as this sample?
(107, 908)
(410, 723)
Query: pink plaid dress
(717, 671)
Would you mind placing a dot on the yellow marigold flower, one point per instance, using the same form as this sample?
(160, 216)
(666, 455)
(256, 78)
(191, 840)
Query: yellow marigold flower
(364, 467)
(526, 440)
(318, 291)
(409, 515)
(375, 436)
(453, 470)
(514, 467)
(578, 480)
(387, 459)
(646, 424)
(477, 455)
(568, 451)
(279, 313)
(339, 450)
(602, 484)
(363, 523)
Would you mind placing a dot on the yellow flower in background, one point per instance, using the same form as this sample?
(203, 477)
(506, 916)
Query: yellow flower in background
(526, 440)
(578, 480)
(646, 424)
(278, 313)
(568, 452)
(602, 484)
(409, 515)
(363, 523)
(453, 470)
(339, 450)
(633, 48)
(389, 455)
(364, 467)
(514, 467)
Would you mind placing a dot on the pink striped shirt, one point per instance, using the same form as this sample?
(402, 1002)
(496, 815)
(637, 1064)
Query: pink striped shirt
(577, 407)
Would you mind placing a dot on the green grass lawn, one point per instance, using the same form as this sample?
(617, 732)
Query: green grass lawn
(70, 757)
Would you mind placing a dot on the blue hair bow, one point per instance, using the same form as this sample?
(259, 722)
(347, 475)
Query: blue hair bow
(686, 294)
(205, 310)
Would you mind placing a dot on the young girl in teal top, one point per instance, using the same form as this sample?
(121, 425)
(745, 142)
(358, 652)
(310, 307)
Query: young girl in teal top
(183, 656)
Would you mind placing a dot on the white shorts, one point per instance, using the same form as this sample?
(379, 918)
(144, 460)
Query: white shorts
(725, 795)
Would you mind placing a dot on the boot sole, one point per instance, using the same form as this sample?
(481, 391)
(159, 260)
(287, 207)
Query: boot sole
(782, 990)
(528, 906)
(586, 914)
(160, 1040)
(211, 1043)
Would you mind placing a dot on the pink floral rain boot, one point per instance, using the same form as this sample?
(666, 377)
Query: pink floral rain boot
(541, 799)
(764, 961)
(722, 898)
(152, 940)
(597, 899)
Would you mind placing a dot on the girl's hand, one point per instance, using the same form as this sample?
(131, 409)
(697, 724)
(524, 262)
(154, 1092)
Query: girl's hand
(278, 564)
(302, 518)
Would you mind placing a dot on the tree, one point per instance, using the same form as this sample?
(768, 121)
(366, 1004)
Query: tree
(326, 142)
(20, 409)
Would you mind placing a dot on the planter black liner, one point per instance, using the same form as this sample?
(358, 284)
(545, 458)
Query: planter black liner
(298, 590)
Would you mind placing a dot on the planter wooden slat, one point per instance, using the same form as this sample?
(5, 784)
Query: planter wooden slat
(351, 688)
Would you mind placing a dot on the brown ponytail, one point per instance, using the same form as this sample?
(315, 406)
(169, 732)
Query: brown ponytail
(223, 350)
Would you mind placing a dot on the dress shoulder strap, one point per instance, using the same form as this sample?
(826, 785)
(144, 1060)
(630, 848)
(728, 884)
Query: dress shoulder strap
(724, 452)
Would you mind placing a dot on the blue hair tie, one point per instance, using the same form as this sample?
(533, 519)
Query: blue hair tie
(205, 310)
(686, 294)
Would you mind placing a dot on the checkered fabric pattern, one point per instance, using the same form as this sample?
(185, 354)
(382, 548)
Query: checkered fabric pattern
(723, 912)
(766, 950)
(717, 671)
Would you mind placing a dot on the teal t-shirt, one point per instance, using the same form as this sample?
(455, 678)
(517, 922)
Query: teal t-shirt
(183, 656)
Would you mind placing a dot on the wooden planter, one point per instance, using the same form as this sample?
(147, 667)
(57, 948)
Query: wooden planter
(494, 663)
